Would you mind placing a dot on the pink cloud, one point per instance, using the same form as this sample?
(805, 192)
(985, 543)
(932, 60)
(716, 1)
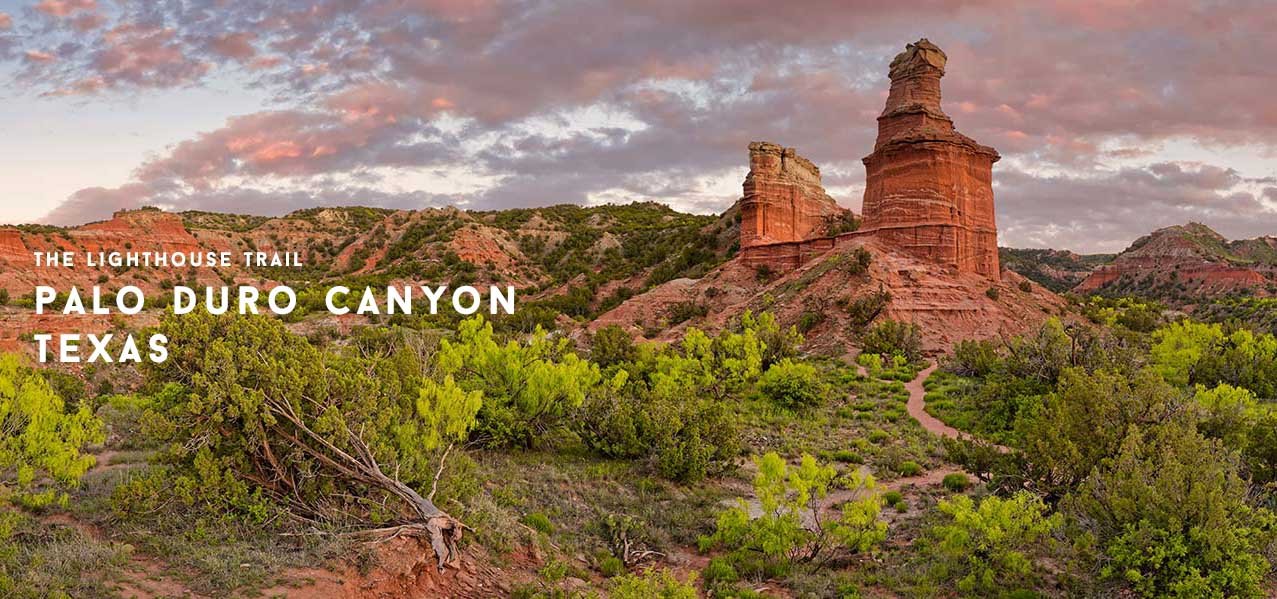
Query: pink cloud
(236, 46)
(97, 202)
(39, 56)
(359, 84)
(64, 8)
(6, 21)
(278, 143)
(86, 21)
(145, 56)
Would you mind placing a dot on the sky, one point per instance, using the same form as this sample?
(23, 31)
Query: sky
(1113, 117)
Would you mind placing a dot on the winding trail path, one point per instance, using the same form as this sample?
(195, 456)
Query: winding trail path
(917, 406)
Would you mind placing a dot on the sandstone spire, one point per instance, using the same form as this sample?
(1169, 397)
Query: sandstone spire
(928, 188)
(914, 99)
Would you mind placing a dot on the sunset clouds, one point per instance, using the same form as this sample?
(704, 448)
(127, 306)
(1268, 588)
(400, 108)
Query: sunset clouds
(1113, 117)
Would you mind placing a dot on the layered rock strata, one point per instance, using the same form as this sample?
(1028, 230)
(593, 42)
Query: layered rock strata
(928, 188)
(783, 198)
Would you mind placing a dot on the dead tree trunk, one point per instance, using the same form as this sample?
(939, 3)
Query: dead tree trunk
(359, 465)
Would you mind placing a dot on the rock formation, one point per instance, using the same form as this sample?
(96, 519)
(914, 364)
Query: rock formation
(783, 199)
(928, 188)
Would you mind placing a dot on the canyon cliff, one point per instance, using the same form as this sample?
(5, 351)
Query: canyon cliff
(783, 198)
(1185, 263)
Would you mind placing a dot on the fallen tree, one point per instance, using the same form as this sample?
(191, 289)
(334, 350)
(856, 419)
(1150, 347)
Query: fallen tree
(263, 420)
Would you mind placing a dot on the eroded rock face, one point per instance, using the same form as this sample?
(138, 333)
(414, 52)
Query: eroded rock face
(1187, 261)
(784, 200)
(929, 189)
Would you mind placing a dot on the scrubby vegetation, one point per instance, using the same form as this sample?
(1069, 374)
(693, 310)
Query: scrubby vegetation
(777, 541)
(1120, 450)
(1142, 442)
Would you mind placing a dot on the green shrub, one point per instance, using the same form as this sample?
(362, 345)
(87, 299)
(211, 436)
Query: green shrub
(685, 311)
(901, 506)
(654, 584)
(778, 540)
(612, 345)
(777, 342)
(909, 468)
(809, 320)
(720, 571)
(792, 384)
(956, 482)
(847, 456)
(624, 535)
(1171, 515)
(973, 357)
(992, 292)
(863, 309)
(672, 402)
(539, 522)
(878, 435)
(40, 440)
(688, 439)
(528, 389)
(261, 391)
(554, 571)
(892, 497)
(891, 337)
(858, 261)
(986, 549)
(871, 362)
(611, 566)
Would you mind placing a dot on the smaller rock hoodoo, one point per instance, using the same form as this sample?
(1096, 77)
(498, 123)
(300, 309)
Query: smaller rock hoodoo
(783, 199)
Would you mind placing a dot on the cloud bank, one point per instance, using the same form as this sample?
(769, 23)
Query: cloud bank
(492, 104)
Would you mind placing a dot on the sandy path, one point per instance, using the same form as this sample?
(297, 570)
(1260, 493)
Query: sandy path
(917, 407)
(143, 577)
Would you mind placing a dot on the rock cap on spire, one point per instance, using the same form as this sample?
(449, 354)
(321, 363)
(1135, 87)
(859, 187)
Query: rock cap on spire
(918, 57)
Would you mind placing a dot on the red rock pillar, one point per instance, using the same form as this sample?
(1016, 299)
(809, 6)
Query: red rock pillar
(783, 198)
(929, 189)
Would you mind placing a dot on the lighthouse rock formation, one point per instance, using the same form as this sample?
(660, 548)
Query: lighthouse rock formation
(928, 188)
(928, 224)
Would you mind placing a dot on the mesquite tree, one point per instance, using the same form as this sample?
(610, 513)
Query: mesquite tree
(39, 439)
(330, 437)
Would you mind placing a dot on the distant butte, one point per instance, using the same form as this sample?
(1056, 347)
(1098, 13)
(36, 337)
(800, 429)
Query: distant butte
(928, 190)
